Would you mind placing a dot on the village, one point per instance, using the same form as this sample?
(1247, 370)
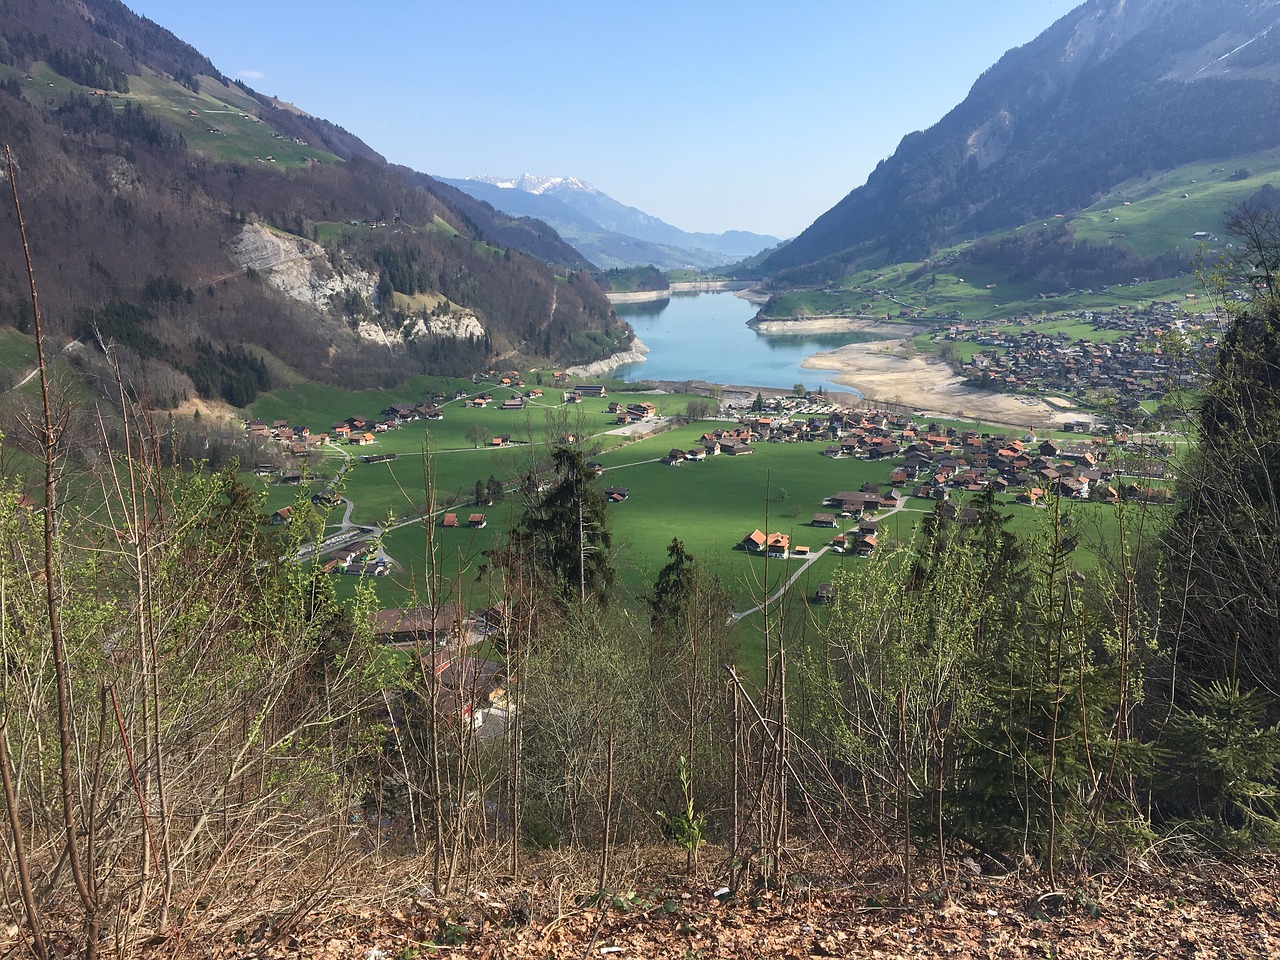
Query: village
(1133, 359)
(918, 465)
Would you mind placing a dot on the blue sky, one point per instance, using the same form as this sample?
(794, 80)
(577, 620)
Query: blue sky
(710, 114)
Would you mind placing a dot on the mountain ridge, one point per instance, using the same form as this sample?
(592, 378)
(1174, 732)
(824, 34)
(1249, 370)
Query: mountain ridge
(1042, 132)
(607, 231)
(142, 169)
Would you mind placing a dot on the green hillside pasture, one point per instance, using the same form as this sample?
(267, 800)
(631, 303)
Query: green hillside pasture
(1159, 218)
(17, 351)
(239, 135)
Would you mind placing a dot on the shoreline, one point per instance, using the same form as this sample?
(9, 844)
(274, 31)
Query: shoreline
(681, 286)
(890, 371)
(600, 367)
(792, 326)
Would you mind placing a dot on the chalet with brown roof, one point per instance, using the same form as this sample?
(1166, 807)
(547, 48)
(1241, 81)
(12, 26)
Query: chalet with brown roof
(469, 690)
(450, 520)
(778, 545)
(823, 520)
(477, 520)
(754, 541)
(616, 494)
(427, 626)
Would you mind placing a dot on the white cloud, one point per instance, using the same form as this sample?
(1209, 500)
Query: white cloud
(250, 74)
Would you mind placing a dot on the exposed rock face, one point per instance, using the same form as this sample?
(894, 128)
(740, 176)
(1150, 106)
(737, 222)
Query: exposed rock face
(453, 325)
(298, 268)
(635, 355)
(303, 271)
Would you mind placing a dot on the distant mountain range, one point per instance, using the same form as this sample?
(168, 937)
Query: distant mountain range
(1115, 90)
(609, 233)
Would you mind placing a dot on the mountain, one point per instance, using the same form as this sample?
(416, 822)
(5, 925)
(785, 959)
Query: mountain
(1115, 90)
(219, 236)
(607, 232)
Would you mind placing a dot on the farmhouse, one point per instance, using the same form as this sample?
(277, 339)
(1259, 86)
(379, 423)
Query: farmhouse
(469, 689)
(616, 494)
(420, 625)
(778, 546)
(589, 390)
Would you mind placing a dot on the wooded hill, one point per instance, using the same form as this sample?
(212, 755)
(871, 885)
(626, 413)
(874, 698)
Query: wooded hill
(1044, 133)
(204, 220)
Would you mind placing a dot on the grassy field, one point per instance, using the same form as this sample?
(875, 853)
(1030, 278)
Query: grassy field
(17, 351)
(222, 125)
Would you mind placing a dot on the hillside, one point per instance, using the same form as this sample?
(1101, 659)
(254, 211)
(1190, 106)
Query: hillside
(221, 236)
(609, 233)
(1042, 132)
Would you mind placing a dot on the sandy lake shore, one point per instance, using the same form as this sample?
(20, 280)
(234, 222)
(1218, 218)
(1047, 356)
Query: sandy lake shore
(888, 370)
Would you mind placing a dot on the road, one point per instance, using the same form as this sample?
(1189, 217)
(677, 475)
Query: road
(809, 561)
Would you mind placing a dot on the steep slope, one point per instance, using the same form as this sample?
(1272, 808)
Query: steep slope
(610, 233)
(1113, 90)
(201, 225)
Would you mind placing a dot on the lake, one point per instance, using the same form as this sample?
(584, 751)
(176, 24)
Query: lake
(704, 336)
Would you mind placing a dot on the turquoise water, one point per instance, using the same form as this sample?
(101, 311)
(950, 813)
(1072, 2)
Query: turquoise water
(704, 336)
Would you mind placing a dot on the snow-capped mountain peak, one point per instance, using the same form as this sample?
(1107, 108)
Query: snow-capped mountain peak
(530, 183)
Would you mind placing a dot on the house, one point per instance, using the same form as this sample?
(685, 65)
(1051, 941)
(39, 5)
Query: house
(420, 626)
(477, 520)
(513, 403)
(362, 439)
(589, 390)
(328, 497)
(501, 440)
(866, 545)
(778, 546)
(470, 690)
(674, 457)
(616, 494)
(450, 520)
(281, 516)
(839, 543)
(824, 520)
(401, 411)
(825, 593)
(753, 542)
(352, 553)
